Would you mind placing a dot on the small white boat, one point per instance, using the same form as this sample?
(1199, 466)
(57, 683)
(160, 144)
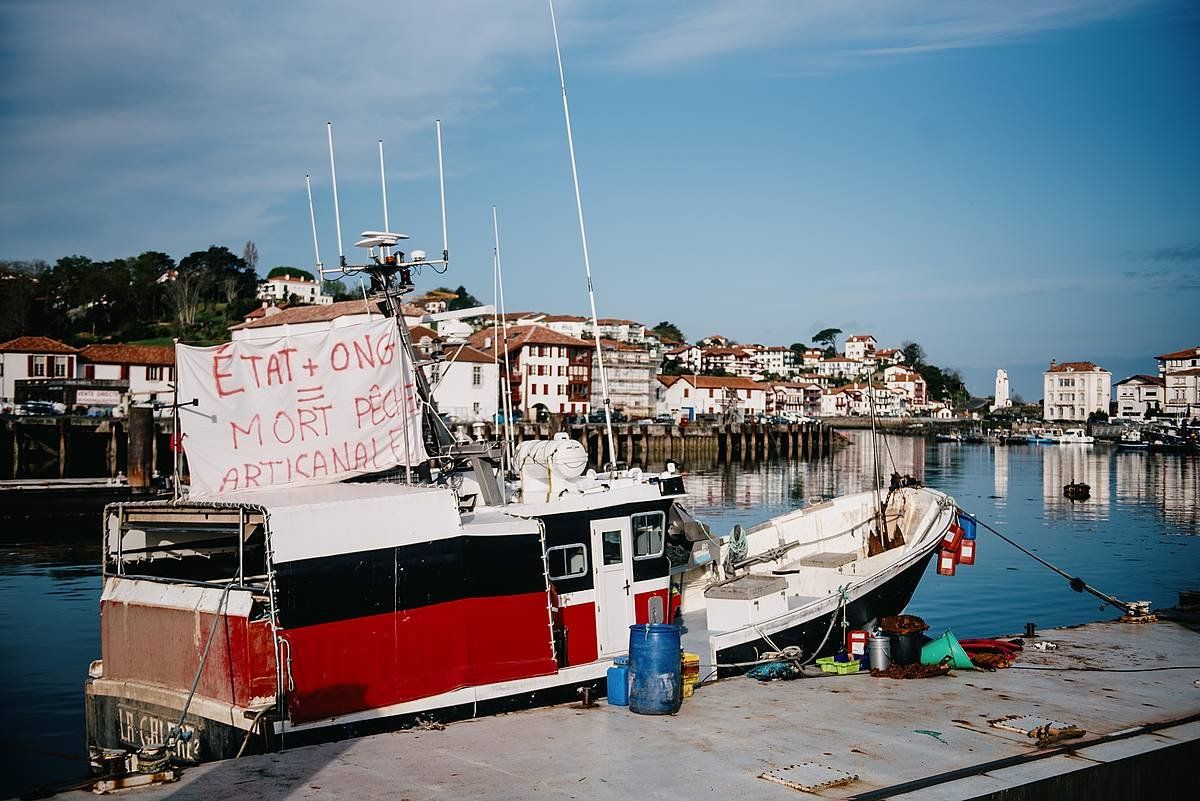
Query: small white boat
(1073, 436)
(802, 571)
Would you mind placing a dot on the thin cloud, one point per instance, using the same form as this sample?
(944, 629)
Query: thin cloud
(830, 33)
(1174, 253)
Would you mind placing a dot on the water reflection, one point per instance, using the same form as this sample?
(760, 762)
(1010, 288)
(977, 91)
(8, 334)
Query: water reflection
(1067, 464)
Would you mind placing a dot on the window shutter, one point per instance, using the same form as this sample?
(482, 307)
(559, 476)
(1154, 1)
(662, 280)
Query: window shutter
(31, 365)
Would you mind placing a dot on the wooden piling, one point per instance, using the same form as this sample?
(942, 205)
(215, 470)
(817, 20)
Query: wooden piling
(140, 450)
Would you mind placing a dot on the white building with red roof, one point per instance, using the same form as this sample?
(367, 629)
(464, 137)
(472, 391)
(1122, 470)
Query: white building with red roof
(149, 369)
(281, 288)
(34, 357)
(1074, 390)
(733, 360)
(1179, 360)
(908, 384)
(860, 346)
(466, 384)
(1140, 395)
(690, 395)
(551, 372)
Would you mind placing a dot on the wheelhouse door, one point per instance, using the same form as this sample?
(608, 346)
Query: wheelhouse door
(612, 568)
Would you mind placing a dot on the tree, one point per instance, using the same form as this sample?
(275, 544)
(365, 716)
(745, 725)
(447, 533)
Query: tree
(828, 338)
(250, 255)
(914, 354)
(295, 272)
(669, 332)
(465, 300)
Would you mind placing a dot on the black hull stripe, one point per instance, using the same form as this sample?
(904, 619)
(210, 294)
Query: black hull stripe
(887, 599)
(332, 588)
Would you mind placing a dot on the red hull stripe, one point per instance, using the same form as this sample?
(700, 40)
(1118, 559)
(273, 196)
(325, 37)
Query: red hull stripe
(350, 586)
(371, 662)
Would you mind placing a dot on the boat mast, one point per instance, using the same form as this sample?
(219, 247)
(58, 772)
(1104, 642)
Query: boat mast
(506, 400)
(587, 265)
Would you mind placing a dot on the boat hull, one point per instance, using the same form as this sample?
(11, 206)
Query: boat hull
(888, 598)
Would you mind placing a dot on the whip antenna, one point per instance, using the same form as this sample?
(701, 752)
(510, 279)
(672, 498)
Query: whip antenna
(383, 186)
(442, 190)
(337, 212)
(587, 265)
(312, 218)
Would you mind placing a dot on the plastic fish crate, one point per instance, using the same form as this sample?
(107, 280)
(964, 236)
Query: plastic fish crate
(829, 665)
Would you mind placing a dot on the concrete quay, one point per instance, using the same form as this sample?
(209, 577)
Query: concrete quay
(1132, 688)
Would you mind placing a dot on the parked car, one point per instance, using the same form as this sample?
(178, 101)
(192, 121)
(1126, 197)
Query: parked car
(99, 411)
(664, 417)
(41, 408)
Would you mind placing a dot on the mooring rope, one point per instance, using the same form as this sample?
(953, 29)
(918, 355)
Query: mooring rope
(1076, 583)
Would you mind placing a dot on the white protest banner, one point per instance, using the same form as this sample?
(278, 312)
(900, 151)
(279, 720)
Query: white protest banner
(310, 408)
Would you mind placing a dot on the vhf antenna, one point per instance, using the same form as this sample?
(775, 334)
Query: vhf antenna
(312, 217)
(337, 212)
(387, 250)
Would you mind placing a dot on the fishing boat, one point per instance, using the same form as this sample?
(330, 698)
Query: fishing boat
(851, 560)
(1072, 436)
(1046, 436)
(1133, 439)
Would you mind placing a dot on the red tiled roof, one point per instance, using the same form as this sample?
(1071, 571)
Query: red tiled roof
(36, 345)
(318, 314)
(467, 354)
(297, 279)
(669, 380)
(521, 335)
(615, 321)
(419, 332)
(1076, 367)
(1186, 353)
(859, 338)
(717, 382)
(563, 318)
(724, 352)
(615, 345)
(153, 355)
(680, 349)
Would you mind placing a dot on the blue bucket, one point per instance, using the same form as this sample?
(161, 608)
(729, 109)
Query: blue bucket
(618, 682)
(655, 678)
(967, 524)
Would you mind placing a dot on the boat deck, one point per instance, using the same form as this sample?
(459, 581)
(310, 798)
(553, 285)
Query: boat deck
(1106, 678)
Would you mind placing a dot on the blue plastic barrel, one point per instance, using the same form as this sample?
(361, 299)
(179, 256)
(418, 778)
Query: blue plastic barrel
(655, 679)
(618, 682)
(967, 524)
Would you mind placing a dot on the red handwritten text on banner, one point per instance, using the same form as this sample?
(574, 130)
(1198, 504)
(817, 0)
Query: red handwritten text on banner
(309, 408)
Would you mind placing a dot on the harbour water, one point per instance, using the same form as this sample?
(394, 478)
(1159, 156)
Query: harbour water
(1138, 537)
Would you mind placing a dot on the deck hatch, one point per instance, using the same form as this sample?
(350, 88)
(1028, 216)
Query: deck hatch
(809, 777)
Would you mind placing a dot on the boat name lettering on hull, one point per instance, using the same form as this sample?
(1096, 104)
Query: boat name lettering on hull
(139, 728)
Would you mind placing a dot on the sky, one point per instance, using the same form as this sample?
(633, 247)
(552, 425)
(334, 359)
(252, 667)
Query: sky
(1005, 183)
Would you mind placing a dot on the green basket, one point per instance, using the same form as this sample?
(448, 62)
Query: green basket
(830, 665)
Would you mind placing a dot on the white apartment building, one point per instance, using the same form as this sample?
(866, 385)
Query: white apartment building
(691, 395)
(794, 398)
(630, 371)
(149, 369)
(687, 355)
(466, 384)
(860, 346)
(812, 358)
(569, 324)
(551, 372)
(1183, 393)
(772, 359)
(1073, 390)
(1180, 371)
(629, 331)
(856, 400)
(909, 385)
(1140, 395)
(733, 361)
(34, 357)
(841, 367)
(1179, 360)
(282, 287)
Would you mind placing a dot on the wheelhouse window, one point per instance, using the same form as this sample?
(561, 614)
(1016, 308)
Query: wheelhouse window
(566, 561)
(612, 547)
(649, 535)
